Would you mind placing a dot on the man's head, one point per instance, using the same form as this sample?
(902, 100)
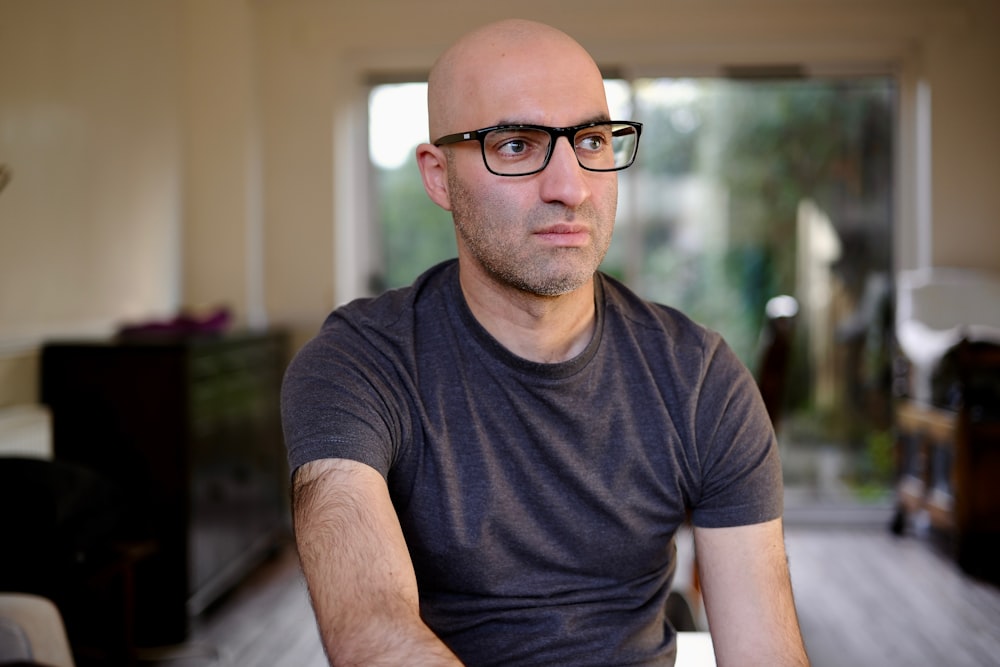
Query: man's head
(544, 233)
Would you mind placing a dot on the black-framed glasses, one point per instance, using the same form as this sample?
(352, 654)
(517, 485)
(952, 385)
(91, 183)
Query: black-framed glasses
(522, 150)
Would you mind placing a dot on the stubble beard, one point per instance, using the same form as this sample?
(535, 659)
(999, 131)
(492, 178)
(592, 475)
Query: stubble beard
(485, 230)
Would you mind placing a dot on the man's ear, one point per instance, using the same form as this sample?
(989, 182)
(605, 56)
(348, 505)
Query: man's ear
(433, 165)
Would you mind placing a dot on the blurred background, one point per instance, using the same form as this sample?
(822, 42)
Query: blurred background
(176, 169)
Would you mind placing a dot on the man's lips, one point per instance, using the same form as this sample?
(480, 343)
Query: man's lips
(565, 235)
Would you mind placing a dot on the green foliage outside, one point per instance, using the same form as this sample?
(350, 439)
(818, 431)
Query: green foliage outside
(416, 232)
(768, 146)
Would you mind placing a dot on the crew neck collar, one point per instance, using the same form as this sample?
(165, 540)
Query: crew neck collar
(557, 370)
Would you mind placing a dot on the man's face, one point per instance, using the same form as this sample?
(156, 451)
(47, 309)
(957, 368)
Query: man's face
(546, 233)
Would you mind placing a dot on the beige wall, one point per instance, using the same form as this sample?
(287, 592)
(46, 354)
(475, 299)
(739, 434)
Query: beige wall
(964, 70)
(223, 192)
(182, 153)
(89, 224)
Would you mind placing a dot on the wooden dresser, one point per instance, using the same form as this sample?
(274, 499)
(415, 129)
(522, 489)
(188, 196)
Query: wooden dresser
(188, 429)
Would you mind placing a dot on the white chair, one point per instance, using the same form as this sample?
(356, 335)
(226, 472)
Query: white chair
(33, 631)
(938, 307)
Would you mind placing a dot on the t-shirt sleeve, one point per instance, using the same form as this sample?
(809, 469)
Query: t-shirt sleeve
(335, 403)
(741, 480)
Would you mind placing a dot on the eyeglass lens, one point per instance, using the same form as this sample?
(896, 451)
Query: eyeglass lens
(602, 147)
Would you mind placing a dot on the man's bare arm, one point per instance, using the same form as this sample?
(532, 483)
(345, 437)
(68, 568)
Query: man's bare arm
(360, 577)
(748, 596)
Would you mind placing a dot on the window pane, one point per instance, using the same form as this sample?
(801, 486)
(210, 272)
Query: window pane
(412, 232)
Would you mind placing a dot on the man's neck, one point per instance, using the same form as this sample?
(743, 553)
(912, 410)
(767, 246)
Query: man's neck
(544, 329)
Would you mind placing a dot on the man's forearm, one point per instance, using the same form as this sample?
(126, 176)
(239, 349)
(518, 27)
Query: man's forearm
(387, 640)
(748, 596)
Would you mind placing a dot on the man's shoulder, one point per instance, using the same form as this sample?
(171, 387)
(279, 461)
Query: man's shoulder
(643, 314)
(369, 329)
(397, 306)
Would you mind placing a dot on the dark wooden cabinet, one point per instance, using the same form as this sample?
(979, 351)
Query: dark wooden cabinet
(188, 430)
(948, 458)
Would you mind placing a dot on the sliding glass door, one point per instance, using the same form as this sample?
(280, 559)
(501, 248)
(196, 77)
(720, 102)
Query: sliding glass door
(743, 191)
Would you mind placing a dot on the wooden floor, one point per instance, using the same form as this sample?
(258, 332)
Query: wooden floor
(868, 598)
(865, 599)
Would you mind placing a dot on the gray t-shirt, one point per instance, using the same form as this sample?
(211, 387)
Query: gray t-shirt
(539, 501)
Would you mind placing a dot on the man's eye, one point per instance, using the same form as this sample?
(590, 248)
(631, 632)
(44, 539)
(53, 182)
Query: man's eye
(513, 147)
(593, 142)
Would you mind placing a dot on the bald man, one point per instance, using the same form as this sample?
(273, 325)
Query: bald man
(489, 466)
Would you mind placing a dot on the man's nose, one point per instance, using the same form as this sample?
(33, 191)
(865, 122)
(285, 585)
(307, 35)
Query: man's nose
(564, 180)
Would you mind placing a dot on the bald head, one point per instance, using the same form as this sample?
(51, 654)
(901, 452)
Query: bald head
(503, 64)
